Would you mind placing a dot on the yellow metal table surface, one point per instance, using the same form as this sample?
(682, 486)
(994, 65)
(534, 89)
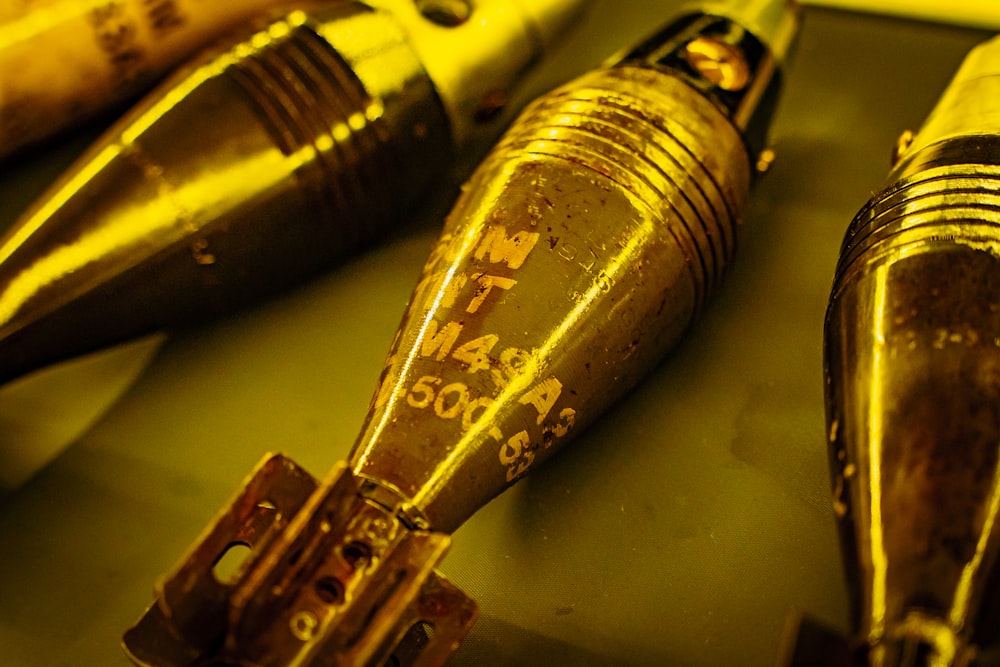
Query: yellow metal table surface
(680, 530)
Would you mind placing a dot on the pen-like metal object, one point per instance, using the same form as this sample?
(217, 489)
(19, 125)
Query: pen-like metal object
(260, 165)
(62, 62)
(580, 250)
(912, 365)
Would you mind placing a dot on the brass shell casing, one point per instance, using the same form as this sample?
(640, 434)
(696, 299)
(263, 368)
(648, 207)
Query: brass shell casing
(912, 365)
(580, 251)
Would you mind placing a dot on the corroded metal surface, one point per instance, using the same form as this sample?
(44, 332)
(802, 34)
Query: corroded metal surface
(913, 387)
(316, 548)
(581, 250)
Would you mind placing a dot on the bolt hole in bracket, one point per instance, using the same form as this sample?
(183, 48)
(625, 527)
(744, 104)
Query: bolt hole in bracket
(294, 571)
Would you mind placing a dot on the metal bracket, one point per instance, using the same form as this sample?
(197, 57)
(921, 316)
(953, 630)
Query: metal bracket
(294, 572)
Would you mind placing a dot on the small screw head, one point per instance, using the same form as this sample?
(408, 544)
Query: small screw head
(764, 160)
(722, 64)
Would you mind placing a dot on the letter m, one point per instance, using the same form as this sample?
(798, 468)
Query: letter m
(511, 250)
(439, 342)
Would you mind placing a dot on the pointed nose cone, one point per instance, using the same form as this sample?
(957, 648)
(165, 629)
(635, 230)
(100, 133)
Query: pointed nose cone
(99, 260)
(192, 205)
(56, 259)
(136, 236)
(253, 169)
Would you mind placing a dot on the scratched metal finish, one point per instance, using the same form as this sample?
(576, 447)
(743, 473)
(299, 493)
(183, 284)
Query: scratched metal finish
(913, 403)
(581, 250)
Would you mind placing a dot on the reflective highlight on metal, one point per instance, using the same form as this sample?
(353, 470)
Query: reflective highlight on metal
(255, 167)
(61, 62)
(581, 249)
(913, 388)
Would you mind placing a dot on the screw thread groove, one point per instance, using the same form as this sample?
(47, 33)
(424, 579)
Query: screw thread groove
(318, 111)
(945, 203)
(654, 136)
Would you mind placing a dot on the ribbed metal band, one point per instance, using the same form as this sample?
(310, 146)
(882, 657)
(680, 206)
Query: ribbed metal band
(949, 202)
(655, 137)
(318, 111)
